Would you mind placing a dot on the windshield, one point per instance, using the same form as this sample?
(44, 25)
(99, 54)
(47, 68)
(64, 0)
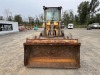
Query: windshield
(52, 14)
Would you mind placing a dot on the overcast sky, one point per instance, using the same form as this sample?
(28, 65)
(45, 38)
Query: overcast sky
(32, 8)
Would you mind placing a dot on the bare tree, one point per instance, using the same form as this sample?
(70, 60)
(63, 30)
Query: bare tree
(7, 13)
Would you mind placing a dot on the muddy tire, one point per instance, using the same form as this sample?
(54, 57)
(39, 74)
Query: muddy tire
(62, 33)
(69, 36)
(42, 33)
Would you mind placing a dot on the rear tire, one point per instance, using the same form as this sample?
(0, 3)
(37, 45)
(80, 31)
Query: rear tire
(69, 36)
(42, 33)
(62, 33)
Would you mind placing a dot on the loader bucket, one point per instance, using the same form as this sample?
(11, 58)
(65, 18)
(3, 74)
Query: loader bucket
(51, 53)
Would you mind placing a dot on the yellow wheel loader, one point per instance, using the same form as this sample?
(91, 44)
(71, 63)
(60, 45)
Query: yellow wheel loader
(52, 49)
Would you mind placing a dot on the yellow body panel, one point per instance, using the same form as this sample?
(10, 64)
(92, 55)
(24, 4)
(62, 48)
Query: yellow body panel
(48, 23)
(55, 23)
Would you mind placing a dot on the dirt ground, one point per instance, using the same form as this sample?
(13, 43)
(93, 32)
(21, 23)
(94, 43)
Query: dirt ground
(12, 54)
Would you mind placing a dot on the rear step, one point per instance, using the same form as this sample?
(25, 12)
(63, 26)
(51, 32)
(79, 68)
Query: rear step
(61, 53)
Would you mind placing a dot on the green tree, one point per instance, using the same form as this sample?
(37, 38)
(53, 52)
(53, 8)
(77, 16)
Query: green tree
(65, 17)
(37, 21)
(68, 17)
(92, 10)
(93, 5)
(18, 19)
(76, 20)
(71, 16)
(1, 18)
(31, 21)
(83, 11)
(97, 18)
(10, 18)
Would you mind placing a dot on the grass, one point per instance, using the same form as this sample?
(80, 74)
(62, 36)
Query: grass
(80, 26)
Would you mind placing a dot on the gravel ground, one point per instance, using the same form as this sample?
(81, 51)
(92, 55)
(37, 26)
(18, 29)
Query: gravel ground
(11, 54)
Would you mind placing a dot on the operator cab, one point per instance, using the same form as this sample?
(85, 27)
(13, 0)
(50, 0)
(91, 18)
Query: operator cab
(52, 17)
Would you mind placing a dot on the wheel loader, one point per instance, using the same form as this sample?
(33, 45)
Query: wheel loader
(52, 48)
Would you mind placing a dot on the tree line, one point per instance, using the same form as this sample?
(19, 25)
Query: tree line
(87, 13)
